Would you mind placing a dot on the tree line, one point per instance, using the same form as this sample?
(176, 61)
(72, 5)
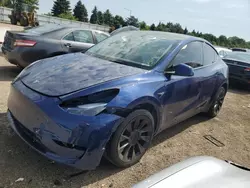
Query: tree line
(61, 8)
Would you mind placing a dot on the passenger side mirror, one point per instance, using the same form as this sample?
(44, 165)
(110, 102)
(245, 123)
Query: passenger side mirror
(180, 70)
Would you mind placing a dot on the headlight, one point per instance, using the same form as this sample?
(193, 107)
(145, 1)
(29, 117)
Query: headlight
(90, 105)
(87, 109)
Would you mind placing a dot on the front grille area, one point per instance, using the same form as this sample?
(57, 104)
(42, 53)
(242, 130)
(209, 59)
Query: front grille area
(28, 136)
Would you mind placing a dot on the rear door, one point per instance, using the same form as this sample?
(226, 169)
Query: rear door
(208, 74)
(78, 41)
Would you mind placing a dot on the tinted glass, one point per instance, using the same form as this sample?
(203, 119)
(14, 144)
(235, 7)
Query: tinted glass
(83, 36)
(69, 37)
(100, 36)
(240, 56)
(210, 55)
(44, 29)
(143, 49)
(190, 54)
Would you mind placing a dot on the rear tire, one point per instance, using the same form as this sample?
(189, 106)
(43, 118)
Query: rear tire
(217, 104)
(131, 139)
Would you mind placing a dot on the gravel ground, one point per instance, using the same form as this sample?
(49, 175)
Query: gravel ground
(231, 127)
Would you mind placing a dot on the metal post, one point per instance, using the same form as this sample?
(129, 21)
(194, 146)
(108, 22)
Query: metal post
(130, 11)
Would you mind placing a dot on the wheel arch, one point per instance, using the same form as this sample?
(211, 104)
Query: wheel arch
(224, 85)
(147, 103)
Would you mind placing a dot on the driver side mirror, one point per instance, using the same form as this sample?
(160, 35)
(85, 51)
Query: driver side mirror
(180, 70)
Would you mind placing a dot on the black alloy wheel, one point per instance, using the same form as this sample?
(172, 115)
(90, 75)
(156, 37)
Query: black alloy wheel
(217, 104)
(132, 138)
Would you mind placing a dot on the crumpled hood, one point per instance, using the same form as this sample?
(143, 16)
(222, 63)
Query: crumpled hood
(68, 73)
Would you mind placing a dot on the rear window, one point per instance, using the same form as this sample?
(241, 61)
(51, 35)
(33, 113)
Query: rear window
(43, 29)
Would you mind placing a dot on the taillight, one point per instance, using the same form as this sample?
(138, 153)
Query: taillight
(27, 43)
(247, 69)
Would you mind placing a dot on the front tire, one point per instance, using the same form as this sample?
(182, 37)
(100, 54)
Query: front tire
(217, 104)
(131, 139)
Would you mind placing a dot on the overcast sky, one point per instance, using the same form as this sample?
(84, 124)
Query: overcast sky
(228, 17)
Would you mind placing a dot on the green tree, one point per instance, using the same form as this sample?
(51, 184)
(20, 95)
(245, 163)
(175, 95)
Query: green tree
(30, 5)
(209, 37)
(118, 21)
(185, 31)
(93, 17)
(143, 26)
(67, 16)
(108, 18)
(237, 42)
(99, 18)
(178, 28)
(8, 3)
(80, 12)
(193, 33)
(248, 45)
(60, 7)
(132, 21)
(152, 27)
(222, 40)
(162, 27)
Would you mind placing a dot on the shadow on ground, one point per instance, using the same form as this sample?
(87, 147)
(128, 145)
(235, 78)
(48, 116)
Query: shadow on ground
(176, 129)
(19, 159)
(8, 73)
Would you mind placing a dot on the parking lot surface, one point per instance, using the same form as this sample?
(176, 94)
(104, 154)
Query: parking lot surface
(231, 128)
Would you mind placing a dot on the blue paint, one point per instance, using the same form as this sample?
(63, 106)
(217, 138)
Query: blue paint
(36, 106)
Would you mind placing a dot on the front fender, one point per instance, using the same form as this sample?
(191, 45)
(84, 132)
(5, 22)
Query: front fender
(135, 98)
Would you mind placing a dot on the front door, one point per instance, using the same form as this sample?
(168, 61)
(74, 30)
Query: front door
(182, 97)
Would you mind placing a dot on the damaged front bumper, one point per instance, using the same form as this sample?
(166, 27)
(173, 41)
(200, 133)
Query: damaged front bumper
(65, 138)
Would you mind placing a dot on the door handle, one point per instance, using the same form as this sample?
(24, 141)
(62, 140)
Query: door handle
(68, 45)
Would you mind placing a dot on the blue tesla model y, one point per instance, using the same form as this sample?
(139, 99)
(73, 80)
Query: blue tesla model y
(113, 99)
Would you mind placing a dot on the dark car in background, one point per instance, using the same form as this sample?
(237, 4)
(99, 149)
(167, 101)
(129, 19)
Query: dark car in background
(240, 50)
(239, 66)
(24, 47)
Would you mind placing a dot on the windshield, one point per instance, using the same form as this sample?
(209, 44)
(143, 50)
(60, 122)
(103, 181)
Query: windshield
(141, 49)
(240, 56)
(43, 29)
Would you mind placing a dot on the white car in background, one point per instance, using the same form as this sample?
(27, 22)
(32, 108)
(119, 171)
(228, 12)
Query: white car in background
(200, 172)
(222, 51)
